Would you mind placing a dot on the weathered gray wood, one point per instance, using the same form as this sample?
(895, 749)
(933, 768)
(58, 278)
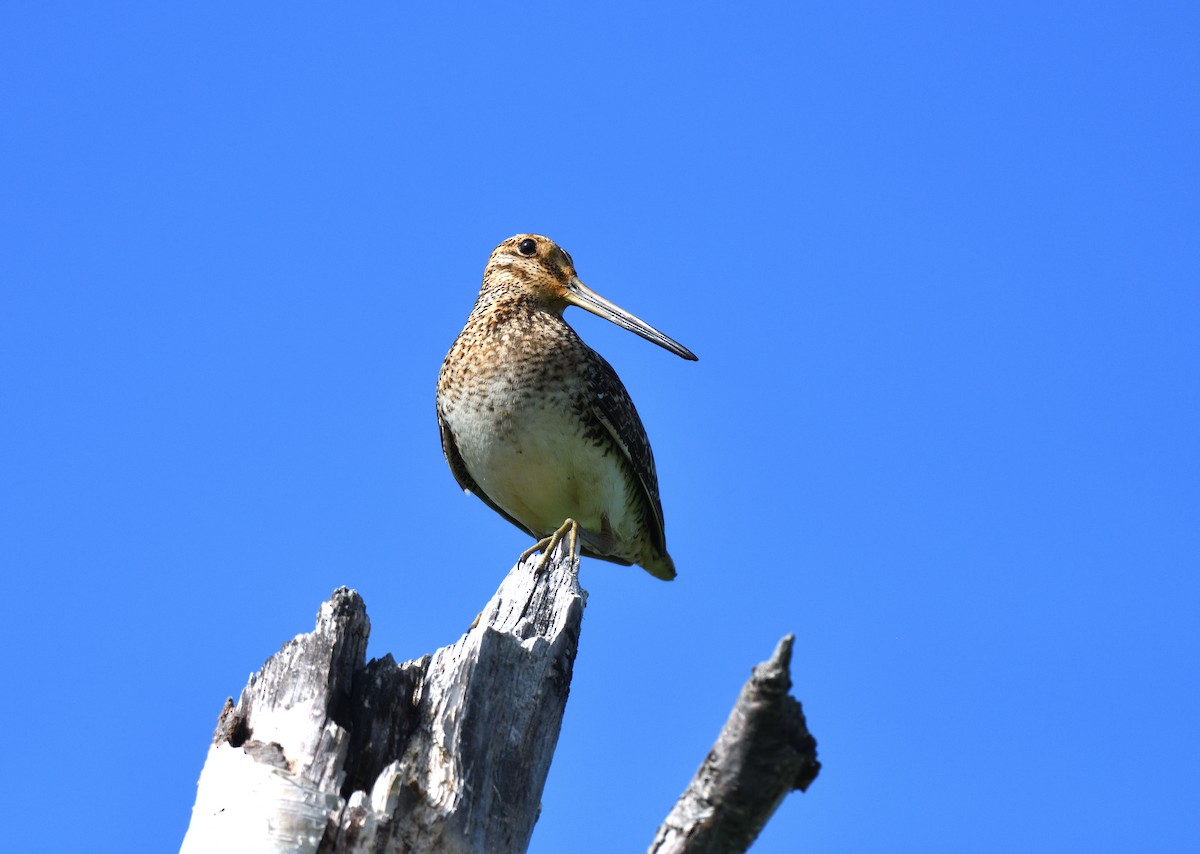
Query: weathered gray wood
(448, 753)
(764, 752)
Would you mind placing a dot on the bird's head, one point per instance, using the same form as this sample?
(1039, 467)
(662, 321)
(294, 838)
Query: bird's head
(538, 267)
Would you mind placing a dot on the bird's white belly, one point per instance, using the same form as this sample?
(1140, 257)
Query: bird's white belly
(539, 467)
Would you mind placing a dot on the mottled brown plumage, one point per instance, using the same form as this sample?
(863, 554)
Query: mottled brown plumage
(537, 424)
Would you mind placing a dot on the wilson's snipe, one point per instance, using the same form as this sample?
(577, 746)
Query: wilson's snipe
(538, 425)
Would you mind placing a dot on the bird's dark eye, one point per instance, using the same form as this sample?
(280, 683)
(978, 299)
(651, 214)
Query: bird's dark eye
(527, 246)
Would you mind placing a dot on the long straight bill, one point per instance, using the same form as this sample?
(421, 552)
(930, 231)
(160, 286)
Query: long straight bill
(581, 295)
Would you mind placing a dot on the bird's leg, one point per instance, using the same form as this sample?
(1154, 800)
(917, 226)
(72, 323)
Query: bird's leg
(601, 543)
(569, 529)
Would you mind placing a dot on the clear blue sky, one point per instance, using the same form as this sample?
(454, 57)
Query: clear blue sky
(941, 265)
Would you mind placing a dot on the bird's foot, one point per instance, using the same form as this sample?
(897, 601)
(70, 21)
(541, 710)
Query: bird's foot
(569, 529)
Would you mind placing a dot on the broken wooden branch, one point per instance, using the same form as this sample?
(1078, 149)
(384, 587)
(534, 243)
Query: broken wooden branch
(763, 752)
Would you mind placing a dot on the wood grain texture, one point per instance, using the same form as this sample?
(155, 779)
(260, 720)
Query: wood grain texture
(763, 752)
(325, 752)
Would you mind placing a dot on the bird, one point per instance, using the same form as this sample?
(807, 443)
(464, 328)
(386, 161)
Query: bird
(537, 424)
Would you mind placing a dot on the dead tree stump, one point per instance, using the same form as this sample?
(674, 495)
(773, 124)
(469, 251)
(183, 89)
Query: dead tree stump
(326, 752)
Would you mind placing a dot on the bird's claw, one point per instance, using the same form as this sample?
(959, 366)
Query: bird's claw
(546, 545)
